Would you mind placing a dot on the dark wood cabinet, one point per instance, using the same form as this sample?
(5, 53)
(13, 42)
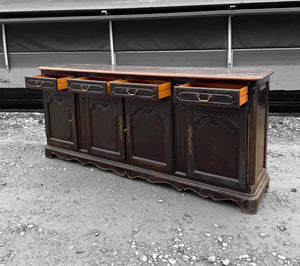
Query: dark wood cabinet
(149, 134)
(216, 144)
(204, 130)
(103, 117)
(61, 120)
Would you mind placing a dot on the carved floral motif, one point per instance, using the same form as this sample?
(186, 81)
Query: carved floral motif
(216, 118)
(190, 140)
(121, 134)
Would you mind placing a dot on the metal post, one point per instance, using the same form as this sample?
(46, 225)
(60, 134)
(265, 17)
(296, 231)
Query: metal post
(229, 52)
(111, 42)
(5, 47)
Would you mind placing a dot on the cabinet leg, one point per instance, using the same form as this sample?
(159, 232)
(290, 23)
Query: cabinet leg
(248, 206)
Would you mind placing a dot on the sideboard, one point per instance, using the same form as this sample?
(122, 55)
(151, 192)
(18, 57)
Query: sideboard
(196, 129)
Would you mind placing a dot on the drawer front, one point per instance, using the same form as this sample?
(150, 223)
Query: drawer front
(211, 96)
(47, 82)
(41, 83)
(143, 91)
(90, 87)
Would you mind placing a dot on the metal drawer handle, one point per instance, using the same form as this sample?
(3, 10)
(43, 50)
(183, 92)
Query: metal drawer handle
(70, 121)
(39, 83)
(131, 94)
(83, 89)
(203, 101)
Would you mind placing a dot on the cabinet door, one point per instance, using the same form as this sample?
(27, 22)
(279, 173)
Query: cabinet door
(216, 144)
(105, 130)
(149, 134)
(60, 119)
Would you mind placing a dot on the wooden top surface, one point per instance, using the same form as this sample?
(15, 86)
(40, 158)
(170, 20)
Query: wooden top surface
(172, 72)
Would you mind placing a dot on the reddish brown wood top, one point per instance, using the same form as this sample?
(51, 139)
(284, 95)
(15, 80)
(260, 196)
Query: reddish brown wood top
(173, 72)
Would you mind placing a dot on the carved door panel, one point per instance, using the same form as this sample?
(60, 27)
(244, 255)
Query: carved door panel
(217, 144)
(60, 118)
(104, 126)
(149, 134)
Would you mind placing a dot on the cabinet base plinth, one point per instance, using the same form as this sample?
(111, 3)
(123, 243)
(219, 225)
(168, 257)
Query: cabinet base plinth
(246, 203)
(250, 206)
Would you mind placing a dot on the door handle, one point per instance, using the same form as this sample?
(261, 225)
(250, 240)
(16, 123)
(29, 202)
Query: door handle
(203, 101)
(39, 84)
(131, 94)
(84, 89)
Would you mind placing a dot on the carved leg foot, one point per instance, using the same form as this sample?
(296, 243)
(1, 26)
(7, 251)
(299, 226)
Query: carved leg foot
(248, 206)
(48, 154)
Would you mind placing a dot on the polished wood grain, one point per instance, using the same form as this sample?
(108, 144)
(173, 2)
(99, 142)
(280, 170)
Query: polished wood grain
(195, 73)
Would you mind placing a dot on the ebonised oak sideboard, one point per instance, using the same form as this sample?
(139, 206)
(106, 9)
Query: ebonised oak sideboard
(203, 130)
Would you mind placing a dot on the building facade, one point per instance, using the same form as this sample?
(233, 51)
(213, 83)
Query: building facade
(233, 34)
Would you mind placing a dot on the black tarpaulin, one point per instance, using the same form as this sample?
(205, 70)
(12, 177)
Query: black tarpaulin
(266, 31)
(57, 37)
(1, 41)
(172, 34)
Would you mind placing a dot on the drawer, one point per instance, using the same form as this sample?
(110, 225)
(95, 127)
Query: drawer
(144, 89)
(212, 94)
(90, 85)
(47, 82)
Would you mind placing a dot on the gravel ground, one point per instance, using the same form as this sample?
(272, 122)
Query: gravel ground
(54, 212)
